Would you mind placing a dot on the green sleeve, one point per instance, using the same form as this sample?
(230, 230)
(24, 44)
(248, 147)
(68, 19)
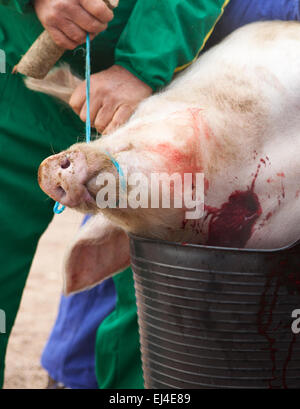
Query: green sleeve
(164, 36)
(19, 5)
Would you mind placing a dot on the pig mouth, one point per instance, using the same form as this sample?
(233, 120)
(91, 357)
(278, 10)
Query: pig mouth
(80, 195)
(92, 187)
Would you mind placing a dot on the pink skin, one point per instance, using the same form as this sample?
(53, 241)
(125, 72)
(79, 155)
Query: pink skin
(69, 177)
(247, 128)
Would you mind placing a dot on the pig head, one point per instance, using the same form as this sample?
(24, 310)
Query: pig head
(70, 177)
(137, 149)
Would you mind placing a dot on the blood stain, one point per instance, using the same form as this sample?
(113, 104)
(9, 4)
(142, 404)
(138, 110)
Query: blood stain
(232, 224)
(276, 280)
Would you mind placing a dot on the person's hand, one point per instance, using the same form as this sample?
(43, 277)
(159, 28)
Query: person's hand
(68, 21)
(115, 94)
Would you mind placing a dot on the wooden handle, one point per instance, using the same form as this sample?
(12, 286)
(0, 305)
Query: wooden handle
(40, 57)
(44, 53)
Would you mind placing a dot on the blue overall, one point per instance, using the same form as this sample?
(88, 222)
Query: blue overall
(69, 354)
(241, 12)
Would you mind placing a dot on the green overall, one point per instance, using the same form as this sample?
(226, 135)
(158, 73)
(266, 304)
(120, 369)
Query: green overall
(152, 39)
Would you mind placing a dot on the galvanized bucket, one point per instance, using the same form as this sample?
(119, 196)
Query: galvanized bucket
(212, 317)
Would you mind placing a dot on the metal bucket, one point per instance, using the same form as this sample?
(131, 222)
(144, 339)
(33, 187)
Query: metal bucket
(213, 317)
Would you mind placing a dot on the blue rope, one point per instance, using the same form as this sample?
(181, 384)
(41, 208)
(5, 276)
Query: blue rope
(88, 86)
(119, 170)
(57, 209)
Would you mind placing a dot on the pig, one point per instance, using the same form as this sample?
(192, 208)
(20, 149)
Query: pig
(233, 116)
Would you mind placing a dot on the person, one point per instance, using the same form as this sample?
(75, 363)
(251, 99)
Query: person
(135, 51)
(69, 354)
(64, 353)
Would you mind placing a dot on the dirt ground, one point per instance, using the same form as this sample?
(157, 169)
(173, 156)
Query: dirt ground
(39, 306)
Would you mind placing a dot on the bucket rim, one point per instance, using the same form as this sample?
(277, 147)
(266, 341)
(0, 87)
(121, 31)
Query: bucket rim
(212, 248)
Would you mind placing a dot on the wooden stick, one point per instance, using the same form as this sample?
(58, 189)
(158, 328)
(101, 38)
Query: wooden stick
(44, 53)
(40, 57)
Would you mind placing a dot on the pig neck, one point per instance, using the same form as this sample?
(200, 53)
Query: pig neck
(209, 137)
(206, 135)
(230, 203)
(221, 153)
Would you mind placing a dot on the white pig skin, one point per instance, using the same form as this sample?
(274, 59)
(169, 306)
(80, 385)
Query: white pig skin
(233, 115)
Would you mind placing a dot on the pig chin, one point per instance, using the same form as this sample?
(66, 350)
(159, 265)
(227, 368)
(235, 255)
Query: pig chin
(93, 187)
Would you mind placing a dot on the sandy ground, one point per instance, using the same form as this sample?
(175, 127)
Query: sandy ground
(39, 306)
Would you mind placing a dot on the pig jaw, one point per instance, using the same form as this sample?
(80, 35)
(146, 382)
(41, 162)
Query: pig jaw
(71, 178)
(161, 224)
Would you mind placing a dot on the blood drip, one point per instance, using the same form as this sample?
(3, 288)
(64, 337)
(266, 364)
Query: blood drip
(276, 280)
(232, 224)
(264, 328)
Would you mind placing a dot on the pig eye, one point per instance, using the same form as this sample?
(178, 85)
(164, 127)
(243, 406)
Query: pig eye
(65, 164)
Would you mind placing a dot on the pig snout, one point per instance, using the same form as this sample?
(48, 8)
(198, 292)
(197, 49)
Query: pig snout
(63, 178)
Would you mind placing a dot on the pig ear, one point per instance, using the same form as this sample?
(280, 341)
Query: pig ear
(60, 83)
(100, 250)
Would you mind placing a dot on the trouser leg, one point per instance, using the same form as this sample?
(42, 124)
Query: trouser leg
(31, 125)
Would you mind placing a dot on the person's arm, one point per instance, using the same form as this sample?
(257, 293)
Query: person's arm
(19, 5)
(163, 37)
